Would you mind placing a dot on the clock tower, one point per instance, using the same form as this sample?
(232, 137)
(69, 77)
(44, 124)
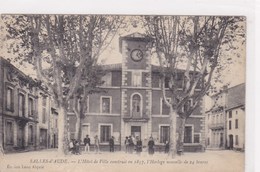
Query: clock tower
(136, 86)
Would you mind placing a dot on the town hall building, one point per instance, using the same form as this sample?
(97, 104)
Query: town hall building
(132, 103)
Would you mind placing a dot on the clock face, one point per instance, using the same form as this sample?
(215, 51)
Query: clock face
(137, 55)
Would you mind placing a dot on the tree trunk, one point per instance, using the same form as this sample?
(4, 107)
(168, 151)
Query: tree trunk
(78, 122)
(77, 129)
(63, 131)
(80, 129)
(81, 114)
(181, 134)
(173, 117)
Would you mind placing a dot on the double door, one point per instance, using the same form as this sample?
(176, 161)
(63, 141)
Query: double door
(136, 131)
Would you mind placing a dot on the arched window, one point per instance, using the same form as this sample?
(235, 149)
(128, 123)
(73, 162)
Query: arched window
(136, 106)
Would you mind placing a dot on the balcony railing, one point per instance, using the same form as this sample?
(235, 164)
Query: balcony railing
(33, 114)
(219, 125)
(143, 118)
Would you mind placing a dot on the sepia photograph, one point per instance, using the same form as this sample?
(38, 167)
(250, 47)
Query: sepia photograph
(104, 92)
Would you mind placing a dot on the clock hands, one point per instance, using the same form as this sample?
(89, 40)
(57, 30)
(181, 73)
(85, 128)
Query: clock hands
(139, 54)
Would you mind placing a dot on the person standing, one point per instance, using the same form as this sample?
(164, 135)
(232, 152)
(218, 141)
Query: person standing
(139, 145)
(77, 146)
(131, 144)
(87, 143)
(126, 145)
(167, 147)
(151, 146)
(111, 144)
(96, 144)
(71, 146)
(134, 140)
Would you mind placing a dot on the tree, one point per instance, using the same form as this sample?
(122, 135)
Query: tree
(194, 46)
(91, 79)
(63, 50)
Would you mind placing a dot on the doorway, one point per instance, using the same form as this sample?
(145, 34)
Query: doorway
(84, 131)
(43, 138)
(55, 142)
(20, 136)
(221, 140)
(136, 131)
(230, 141)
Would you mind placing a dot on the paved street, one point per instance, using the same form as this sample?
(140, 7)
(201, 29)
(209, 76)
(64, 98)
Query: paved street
(49, 160)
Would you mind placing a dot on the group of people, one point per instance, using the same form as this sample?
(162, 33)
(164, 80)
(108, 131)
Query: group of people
(131, 144)
(96, 144)
(87, 144)
(74, 145)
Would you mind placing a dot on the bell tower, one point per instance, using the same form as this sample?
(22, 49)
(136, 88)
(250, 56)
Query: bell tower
(136, 92)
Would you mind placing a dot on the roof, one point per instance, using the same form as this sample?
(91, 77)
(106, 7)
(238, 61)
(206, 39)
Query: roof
(136, 36)
(21, 74)
(236, 96)
(118, 66)
(7, 63)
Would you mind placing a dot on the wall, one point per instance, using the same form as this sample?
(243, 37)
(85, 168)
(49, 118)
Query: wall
(95, 100)
(11, 77)
(93, 121)
(240, 131)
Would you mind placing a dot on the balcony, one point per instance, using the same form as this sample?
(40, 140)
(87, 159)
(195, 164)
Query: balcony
(22, 120)
(217, 126)
(33, 115)
(143, 118)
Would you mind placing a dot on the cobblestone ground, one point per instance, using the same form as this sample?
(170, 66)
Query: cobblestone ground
(49, 160)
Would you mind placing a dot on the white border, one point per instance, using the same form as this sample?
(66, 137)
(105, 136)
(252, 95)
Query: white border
(180, 7)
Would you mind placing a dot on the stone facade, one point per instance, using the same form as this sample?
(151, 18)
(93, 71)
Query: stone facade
(24, 116)
(226, 119)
